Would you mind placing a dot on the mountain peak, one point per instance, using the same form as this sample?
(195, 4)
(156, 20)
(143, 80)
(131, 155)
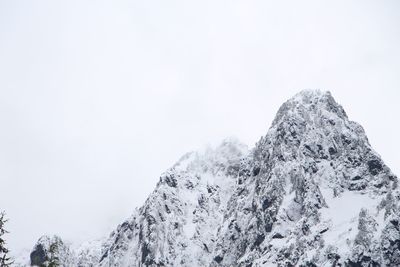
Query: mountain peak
(310, 104)
(312, 192)
(311, 93)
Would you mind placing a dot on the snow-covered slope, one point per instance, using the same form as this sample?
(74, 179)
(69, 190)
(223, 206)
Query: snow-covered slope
(315, 186)
(312, 192)
(177, 224)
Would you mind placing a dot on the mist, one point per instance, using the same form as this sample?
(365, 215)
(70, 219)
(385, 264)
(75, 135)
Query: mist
(98, 98)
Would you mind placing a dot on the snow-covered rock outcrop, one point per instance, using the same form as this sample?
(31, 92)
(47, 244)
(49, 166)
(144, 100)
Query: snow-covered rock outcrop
(312, 192)
(52, 251)
(178, 223)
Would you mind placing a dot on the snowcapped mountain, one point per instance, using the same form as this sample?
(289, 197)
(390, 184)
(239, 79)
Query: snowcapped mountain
(312, 192)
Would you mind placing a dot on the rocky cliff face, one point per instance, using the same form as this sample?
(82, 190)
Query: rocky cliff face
(312, 192)
(315, 189)
(178, 223)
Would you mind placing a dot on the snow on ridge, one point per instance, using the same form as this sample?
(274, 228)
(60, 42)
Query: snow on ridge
(208, 158)
(312, 192)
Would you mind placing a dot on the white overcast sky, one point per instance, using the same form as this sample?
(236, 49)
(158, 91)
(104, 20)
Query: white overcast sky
(98, 98)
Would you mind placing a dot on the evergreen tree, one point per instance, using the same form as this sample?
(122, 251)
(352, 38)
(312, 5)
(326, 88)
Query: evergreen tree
(5, 260)
(54, 259)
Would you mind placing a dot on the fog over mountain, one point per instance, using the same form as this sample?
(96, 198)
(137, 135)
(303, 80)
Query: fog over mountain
(312, 192)
(98, 98)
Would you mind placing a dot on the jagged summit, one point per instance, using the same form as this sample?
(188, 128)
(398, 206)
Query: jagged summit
(312, 192)
(310, 94)
(310, 104)
(312, 128)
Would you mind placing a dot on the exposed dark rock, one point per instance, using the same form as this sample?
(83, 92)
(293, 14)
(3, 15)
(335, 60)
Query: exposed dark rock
(218, 259)
(256, 171)
(374, 166)
(278, 236)
(170, 180)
